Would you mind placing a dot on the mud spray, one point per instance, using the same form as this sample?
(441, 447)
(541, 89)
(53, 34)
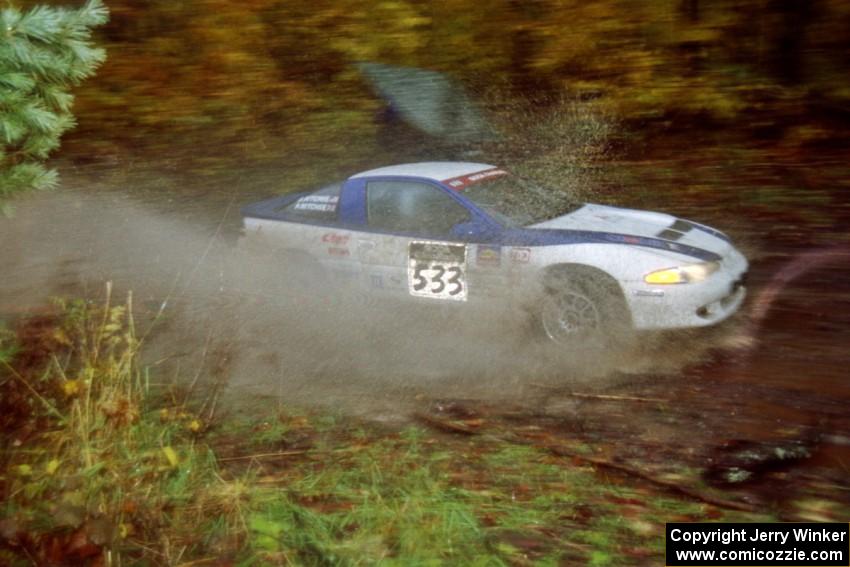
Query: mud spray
(225, 316)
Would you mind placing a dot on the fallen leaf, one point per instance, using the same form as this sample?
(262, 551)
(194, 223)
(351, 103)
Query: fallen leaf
(171, 456)
(81, 546)
(100, 530)
(68, 515)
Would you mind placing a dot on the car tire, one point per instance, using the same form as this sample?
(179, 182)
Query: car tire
(582, 310)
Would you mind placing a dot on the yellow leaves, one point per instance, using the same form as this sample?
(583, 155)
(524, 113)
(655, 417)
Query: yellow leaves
(23, 470)
(189, 421)
(171, 456)
(52, 466)
(384, 30)
(71, 387)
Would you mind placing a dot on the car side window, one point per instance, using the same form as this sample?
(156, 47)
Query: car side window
(409, 206)
(321, 205)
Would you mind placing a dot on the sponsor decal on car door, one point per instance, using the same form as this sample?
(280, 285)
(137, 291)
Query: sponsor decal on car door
(333, 248)
(382, 259)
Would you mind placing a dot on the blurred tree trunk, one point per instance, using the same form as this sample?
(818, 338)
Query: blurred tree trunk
(692, 51)
(525, 46)
(690, 8)
(791, 18)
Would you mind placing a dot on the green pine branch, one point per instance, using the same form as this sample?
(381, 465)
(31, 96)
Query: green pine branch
(44, 52)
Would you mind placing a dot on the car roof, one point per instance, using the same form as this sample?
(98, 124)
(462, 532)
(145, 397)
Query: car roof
(436, 170)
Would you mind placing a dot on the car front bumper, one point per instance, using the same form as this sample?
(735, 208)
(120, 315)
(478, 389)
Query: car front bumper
(692, 304)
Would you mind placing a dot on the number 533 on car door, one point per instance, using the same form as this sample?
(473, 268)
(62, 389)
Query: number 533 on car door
(437, 270)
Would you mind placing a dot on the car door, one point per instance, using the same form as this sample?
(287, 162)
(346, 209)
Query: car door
(425, 244)
(414, 248)
(313, 227)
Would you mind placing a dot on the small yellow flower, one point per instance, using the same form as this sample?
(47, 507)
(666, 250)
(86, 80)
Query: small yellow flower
(195, 425)
(71, 387)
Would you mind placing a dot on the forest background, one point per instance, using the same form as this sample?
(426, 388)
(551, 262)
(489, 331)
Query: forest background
(215, 82)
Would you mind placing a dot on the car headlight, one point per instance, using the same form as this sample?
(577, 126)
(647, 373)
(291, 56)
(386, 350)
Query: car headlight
(682, 274)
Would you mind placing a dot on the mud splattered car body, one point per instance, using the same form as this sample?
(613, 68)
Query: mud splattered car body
(462, 233)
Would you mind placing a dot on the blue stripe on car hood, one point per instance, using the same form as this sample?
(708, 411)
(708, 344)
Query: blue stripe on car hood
(712, 231)
(552, 237)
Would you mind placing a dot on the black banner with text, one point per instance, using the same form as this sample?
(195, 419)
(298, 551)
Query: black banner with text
(758, 544)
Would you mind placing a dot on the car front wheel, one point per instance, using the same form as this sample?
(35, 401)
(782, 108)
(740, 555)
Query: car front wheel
(569, 315)
(582, 312)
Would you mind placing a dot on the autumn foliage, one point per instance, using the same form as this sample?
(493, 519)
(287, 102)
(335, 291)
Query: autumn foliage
(248, 79)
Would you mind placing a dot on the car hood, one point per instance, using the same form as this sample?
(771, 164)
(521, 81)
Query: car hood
(645, 224)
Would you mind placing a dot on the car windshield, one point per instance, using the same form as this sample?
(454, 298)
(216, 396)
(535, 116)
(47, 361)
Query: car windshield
(516, 201)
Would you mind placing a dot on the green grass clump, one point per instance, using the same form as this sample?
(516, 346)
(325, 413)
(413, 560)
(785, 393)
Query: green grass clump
(106, 473)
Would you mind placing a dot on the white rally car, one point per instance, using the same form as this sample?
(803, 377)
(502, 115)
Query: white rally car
(463, 233)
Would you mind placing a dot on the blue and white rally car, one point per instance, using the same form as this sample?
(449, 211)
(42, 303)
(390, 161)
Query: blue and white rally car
(463, 233)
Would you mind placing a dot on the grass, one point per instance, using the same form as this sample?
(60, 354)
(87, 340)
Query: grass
(100, 469)
(96, 469)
